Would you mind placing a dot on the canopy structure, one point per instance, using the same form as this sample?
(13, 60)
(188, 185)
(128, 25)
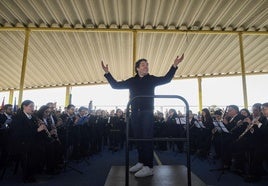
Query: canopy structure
(50, 43)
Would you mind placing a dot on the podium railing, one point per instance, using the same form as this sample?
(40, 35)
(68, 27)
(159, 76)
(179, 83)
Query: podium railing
(158, 139)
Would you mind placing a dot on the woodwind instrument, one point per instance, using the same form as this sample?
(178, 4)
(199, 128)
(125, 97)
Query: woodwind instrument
(245, 131)
(41, 122)
(238, 124)
(254, 122)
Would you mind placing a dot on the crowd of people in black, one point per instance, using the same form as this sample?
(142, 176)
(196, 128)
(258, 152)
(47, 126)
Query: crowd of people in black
(43, 140)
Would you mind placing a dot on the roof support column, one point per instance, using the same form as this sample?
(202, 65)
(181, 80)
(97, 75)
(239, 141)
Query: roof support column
(200, 98)
(244, 83)
(11, 95)
(134, 50)
(24, 64)
(68, 95)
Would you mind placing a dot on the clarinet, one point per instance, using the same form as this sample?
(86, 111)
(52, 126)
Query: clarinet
(40, 122)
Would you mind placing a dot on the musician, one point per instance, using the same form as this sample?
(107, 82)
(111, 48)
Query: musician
(204, 137)
(194, 131)
(258, 135)
(172, 126)
(5, 120)
(49, 142)
(235, 125)
(117, 126)
(24, 137)
(52, 113)
(245, 112)
(97, 123)
(160, 130)
(217, 132)
(81, 133)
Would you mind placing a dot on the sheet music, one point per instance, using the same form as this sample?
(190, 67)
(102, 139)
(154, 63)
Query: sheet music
(220, 126)
(181, 121)
(217, 126)
(199, 124)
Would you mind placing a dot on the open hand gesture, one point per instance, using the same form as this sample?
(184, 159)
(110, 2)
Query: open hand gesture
(105, 67)
(178, 60)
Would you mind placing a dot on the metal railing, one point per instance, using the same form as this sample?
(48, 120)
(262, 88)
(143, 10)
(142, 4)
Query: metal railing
(158, 139)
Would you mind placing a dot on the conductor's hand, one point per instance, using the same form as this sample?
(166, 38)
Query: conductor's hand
(105, 67)
(178, 60)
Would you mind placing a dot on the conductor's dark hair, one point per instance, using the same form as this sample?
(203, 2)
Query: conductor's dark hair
(137, 64)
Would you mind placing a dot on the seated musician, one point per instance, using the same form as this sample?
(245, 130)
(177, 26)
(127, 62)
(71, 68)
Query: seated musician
(204, 137)
(218, 130)
(258, 133)
(194, 129)
(174, 129)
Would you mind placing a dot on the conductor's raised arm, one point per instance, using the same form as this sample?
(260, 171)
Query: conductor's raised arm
(105, 67)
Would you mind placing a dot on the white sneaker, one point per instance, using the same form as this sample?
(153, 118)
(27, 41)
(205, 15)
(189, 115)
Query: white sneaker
(136, 167)
(145, 171)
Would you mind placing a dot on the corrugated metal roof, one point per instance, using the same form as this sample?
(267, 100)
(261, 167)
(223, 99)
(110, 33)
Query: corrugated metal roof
(69, 38)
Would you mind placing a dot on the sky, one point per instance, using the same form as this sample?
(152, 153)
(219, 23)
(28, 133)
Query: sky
(215, 91)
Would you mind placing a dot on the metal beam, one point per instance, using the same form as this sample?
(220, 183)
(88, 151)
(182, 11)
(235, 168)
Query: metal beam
(244, 82)
(134, 51)
(24, 64)
(200, 97)
(63, 29)
(11, 95)
(67, 95)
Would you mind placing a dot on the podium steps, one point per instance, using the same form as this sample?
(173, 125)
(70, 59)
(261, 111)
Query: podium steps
(164, 175)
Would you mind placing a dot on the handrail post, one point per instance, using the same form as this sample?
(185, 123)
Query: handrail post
(187, 134)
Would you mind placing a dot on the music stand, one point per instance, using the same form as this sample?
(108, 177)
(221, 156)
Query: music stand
(223, 129)
(68, 149)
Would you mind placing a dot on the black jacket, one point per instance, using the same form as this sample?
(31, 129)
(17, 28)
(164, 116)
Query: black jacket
(141, 86)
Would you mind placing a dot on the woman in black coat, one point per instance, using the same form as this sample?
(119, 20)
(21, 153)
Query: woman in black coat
(25, 132)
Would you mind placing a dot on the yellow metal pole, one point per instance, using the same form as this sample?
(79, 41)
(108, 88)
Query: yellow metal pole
(24, 63)
(67, 95)
(200, 99)
(11, 95)
(244, 83)
(134, 50)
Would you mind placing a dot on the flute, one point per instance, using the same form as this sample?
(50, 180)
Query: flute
(245, 131)
(254, 122)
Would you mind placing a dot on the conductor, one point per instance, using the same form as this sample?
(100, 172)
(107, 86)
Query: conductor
(142, 118)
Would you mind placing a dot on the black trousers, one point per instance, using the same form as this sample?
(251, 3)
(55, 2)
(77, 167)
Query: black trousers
(142, 126)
